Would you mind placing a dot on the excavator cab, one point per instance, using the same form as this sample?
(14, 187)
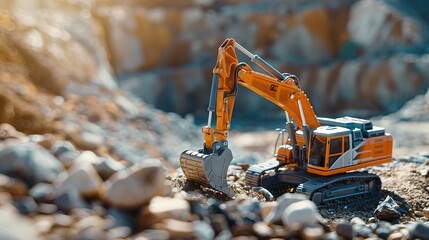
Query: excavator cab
(329, 146)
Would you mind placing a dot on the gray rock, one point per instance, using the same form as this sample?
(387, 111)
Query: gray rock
(283, 202)
(419, 230)
(387, 210)
(129, 189)
(62, 147)
(250, 211)
(345, 230)
(68, 158)
(69, 200)
(108, 166)
(203, 230)
(84, 179)
(362, 231)
(120, 219)
(29, 162)
(25, 205)
(42, 192)
(303, 212)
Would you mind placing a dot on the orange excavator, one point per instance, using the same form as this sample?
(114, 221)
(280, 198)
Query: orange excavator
(318, 157)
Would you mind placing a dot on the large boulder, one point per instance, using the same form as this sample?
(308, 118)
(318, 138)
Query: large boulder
(29, 162)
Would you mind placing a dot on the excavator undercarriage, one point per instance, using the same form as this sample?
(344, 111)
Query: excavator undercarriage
(340, 189)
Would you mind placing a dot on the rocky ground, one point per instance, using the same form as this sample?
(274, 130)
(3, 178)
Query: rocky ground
(54, 190)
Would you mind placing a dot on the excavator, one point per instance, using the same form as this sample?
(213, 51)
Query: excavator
(318, 157)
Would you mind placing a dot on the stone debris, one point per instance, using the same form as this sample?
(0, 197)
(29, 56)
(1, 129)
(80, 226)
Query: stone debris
(388, 210)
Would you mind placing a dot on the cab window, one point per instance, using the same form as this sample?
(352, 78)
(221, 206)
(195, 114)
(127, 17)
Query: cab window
(317, 151)
(336, 146)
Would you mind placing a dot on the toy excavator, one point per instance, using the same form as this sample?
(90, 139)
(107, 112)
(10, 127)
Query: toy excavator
(318, 154)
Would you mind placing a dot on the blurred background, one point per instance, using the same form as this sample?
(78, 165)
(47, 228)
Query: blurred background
(361, 58)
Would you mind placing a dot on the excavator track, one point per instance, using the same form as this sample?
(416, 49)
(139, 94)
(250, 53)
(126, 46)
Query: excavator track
(337, 190)
(343, 189)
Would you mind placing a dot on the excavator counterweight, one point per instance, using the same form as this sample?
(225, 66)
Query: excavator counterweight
(318, 154)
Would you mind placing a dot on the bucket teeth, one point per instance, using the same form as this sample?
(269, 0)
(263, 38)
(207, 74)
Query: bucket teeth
(209, 170)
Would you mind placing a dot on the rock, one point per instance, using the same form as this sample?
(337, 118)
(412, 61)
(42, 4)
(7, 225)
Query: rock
(61, 147)
(108, 166)
(219, 223)
(198, 209)
(250, 211)
(345, 230)
(46, 208)
(46, 140)
(396, 236)
(161, 208)
(69, 200)
(68, 158)
(153, 234)
(302, 212)
(42, 192)
(419, 213)
(120, 219)
(267, 208)
(176, 228)
(14, 226)
(203, 230)
(362, 230)
(25, 205)
(91, 233)
(88, 140)
(426, 212)
(91, 221)
(262, 230)
(313, 232)
(8, 131)
(62, 220)
(124, 189)
(419, 230)
(13, 186)
(282, 203)
(29, 162)
(387, 210)
(357, 220)
(383, 229)
(43, 223)
(84, 179)
(88, 157)
(119, 232)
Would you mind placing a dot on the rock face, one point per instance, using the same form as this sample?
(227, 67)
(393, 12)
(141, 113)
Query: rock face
(348, 59)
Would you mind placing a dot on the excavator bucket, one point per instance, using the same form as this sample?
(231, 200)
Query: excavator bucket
(209, 170)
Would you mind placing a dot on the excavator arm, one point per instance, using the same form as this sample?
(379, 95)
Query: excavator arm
(281, 89)
(209, 165)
